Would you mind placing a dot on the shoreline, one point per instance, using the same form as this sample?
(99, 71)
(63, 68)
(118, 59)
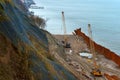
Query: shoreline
(78, 45)
(94, 41)
(99, 48)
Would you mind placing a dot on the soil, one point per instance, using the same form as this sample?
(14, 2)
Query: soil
(84, 65)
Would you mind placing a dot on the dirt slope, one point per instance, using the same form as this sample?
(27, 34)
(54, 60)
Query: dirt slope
(24, 48)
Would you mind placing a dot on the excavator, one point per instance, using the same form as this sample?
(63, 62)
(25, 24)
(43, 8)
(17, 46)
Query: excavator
(95, 71)
(65, 42)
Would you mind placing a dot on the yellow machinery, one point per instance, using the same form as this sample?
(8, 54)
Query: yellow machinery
(95, 71)
(65, 42)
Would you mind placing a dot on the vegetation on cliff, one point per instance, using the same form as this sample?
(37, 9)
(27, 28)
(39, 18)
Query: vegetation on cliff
(24, 48)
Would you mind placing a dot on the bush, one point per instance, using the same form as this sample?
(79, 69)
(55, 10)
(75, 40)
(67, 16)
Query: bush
(38, 21)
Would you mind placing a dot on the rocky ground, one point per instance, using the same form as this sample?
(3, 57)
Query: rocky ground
(83, 66)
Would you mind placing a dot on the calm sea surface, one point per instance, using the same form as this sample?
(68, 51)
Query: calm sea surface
(103, 15)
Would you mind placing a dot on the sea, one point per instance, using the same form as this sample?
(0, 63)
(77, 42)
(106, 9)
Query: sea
(103, 15)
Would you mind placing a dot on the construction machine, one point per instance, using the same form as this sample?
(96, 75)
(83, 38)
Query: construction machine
(65, 42)
(95, 71)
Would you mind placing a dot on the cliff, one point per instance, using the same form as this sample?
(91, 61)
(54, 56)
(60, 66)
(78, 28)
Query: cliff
(24, 48)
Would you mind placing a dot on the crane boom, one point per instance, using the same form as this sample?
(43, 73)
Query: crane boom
(64, 25)
(92, 48)
(96, 71)
(66, 43)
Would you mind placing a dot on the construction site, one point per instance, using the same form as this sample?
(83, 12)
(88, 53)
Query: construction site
(82, 66)
(84, 59)
(28, 52)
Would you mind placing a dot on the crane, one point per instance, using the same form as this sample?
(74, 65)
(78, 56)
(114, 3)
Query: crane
(95, 71)
(66, 44)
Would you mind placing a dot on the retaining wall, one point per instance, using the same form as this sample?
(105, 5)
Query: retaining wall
(100, 49)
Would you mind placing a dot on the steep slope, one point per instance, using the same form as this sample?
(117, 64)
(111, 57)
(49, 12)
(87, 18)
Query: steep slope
(24, 48)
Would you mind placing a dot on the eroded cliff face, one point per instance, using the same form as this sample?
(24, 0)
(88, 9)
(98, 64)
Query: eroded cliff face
(24, 48)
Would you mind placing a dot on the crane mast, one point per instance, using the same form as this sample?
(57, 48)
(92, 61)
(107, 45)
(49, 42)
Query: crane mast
(64, 25)
(66, 44)
(96, 71)
(92, 48)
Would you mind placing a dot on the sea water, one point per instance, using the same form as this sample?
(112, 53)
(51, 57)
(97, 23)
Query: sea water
(103, 15)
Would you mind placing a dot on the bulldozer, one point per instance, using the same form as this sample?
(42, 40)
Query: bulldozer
(95, 71)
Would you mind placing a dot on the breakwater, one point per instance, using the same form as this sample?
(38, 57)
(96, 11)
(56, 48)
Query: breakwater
(100, 49)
